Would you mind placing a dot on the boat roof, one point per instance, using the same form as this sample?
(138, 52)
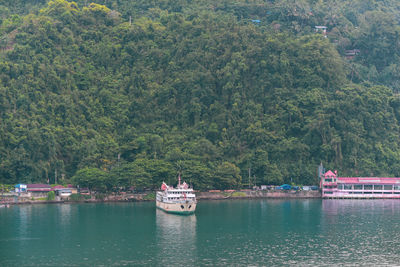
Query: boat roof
(179, 189)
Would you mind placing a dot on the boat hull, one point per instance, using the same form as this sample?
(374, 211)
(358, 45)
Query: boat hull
(177, 208)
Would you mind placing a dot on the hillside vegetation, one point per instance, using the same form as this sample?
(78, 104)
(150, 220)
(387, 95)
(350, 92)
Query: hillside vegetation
(197, 87)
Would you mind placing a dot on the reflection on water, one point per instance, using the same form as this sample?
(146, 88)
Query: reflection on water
(361, 231)
(65, 214)
(366, 206)
(24, 215)
(176, 239)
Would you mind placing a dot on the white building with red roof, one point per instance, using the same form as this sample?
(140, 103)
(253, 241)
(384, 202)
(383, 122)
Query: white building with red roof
(333, 186)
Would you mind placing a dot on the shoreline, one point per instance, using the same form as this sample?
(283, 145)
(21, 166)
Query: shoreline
(199, 195)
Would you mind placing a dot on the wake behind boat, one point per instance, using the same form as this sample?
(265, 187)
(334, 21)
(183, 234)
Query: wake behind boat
(179, 200)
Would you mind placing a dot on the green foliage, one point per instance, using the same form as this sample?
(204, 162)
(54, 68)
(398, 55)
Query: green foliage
(100, 196)
(150, 196)
(6, 188)
(51, 195)
(227, 175)
(91, 178)
(78, 197)
(195, 90)
(239, 194)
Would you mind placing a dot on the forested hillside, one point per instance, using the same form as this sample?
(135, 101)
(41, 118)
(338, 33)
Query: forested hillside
(129, 93)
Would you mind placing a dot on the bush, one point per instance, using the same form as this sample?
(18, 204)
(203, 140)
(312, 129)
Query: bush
(51, 195)
(239, 194)
(100, 196)
(150, 196)
(79, 197)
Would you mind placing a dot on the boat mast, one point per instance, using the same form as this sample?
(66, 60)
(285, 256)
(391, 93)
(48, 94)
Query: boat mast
(179, 180)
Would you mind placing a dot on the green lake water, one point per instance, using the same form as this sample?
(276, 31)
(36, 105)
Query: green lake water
(234, 233)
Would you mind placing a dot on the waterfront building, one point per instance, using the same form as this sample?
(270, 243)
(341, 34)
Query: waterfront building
(20, 188)
(63, 192)
(333, 186)
(38, 190)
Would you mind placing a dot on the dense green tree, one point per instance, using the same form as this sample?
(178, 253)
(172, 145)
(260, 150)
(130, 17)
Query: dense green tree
(227, 176)
(91, 178)
(197, 88)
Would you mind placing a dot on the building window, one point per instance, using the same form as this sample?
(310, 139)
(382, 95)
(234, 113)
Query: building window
(387, 187)
(378, 187)
(368, 187)
(348, 187)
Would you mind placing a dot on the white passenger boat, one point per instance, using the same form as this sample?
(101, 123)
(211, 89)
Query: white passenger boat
(179, 200)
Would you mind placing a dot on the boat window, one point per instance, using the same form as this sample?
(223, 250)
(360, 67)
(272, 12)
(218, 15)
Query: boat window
(328, 180)
(397, 187)
(387, 187)
(358, 187)
(340, 186)
(378, 187)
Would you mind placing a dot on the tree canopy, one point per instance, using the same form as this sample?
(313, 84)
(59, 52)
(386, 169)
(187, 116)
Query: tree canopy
(131, 93)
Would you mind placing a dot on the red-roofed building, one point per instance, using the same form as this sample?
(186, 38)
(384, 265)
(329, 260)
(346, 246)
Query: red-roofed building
(359, 187)
(38, 188)
(57, 187)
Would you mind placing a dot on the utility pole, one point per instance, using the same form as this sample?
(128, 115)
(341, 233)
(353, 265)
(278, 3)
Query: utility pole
(249, 177)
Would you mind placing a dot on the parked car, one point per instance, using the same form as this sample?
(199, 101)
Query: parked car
(286, 187)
